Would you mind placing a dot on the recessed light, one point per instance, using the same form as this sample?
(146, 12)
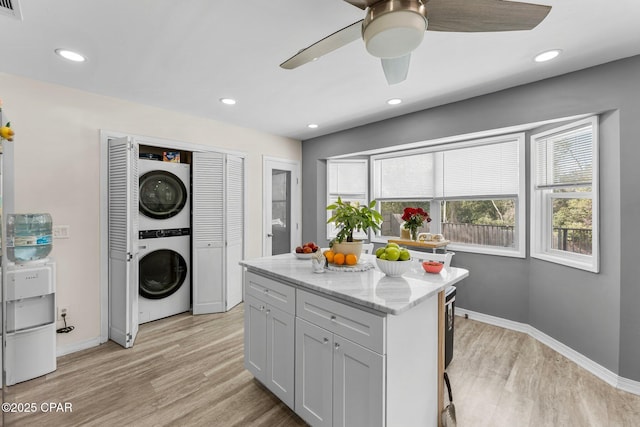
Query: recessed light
(228, 101)
(547, 55)
(394, 101)
(312, 126)
(71, 55)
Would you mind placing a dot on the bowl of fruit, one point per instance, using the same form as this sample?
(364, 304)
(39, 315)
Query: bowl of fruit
(306, 251)
(434, 267)
(393, 260)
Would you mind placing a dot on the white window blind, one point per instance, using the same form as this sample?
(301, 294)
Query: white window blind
(565, 159)
(347, 177)
(349, 180)
(405, 176)
(485, 170)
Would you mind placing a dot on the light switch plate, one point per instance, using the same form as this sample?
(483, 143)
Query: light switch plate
(60, 231)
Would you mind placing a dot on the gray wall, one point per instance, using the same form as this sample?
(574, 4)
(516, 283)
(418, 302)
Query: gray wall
(595, 314)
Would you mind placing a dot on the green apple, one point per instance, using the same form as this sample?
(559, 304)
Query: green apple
(379, 252)
(393, 245)
(392, 253)
(404, 255)
(383, 256)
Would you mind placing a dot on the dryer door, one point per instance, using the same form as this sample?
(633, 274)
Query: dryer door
(162, 194)
(161, 273)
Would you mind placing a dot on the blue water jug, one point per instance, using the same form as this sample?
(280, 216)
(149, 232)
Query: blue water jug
(29, 237)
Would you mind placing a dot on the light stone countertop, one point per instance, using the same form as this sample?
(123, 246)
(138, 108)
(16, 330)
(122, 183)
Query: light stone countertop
(371, 288)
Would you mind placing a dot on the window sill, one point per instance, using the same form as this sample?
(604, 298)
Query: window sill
(487, 250)
(457, 247)
(587, 263)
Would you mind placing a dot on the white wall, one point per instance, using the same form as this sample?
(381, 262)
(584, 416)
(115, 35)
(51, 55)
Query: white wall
(57, 162)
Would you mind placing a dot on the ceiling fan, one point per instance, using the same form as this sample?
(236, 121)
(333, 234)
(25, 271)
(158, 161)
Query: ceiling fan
(392, 29)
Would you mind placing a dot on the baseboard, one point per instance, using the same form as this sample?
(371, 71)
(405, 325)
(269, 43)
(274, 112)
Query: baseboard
(62, 350)
(596, 369)
(628, 385)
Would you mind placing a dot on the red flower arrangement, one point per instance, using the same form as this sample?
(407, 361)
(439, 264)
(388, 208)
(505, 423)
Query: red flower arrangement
(414, 217)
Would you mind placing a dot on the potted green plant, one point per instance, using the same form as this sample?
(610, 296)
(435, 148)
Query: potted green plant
(349, 217)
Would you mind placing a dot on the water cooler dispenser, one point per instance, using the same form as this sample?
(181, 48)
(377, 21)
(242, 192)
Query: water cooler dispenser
(30, 298)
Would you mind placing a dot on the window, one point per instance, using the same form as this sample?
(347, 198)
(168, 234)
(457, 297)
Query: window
(564, 195)
(472, 190)
(481, 189)
(392, 217)
(349, 180)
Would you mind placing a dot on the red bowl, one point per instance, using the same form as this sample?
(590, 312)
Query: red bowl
(432, 266)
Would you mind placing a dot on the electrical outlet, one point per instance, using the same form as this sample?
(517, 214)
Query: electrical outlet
(61, 311)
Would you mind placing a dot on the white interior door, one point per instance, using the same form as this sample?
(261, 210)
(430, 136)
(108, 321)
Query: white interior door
(123, 241)
(281, 206)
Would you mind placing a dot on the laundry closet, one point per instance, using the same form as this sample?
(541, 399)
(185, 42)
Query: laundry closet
(176, 232)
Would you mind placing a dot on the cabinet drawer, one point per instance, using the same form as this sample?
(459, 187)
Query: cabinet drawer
(275, 293)
(359, 326)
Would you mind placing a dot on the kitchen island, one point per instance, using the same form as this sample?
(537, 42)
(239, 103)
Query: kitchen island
(347, 348)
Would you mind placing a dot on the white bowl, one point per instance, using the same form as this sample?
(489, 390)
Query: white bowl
(303, 256)
(393, 268)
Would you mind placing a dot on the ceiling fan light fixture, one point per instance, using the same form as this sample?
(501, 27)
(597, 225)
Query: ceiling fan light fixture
(312, 126)
(228, 101)
(394, 34)
(394, 101)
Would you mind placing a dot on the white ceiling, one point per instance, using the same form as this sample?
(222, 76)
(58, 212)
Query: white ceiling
(185, 55)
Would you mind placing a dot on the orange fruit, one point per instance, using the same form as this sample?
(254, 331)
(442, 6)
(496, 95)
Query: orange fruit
(328, 254)
(338, 259)
(351, 259)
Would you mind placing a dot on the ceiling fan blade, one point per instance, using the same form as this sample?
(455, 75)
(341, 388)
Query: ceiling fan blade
(483, 15)
(362, 4)
(396, 69)
(328, 44)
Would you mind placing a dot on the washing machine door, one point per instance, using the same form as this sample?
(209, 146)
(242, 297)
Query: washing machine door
(162, 194)
(161, 273)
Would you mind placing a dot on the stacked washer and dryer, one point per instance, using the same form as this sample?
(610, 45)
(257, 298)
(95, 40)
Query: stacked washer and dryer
(164, 225)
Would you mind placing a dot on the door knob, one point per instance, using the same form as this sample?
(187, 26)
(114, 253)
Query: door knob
(269, 235)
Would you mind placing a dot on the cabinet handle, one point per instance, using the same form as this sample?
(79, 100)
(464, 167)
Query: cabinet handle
(325, 340)
(337, 346)
(268, 311)
(262, 308)
(266, 291)
(333, 318)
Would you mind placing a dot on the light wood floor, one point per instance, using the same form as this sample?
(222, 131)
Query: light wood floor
(187, 371)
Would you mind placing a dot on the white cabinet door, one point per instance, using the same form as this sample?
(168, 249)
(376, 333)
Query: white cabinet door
(208, 261)
(280, 354)
(123, 240)
(255, 338)
(314, 373)
(235, 228)
(358, 385)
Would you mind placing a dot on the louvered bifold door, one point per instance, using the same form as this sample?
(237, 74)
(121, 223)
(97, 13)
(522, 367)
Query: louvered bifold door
(208, 258)
(235, 226)
(123, 249)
